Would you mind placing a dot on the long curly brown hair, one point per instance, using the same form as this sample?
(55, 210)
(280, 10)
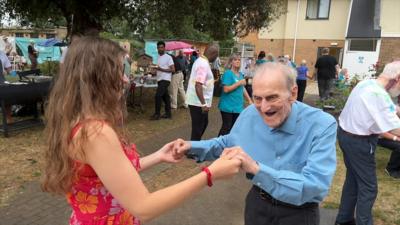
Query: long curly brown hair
(89, 85)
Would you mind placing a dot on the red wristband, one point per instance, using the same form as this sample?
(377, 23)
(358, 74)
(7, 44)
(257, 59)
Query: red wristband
(209, 177)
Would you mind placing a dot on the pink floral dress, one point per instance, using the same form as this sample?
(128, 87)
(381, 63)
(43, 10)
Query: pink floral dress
(91, 202)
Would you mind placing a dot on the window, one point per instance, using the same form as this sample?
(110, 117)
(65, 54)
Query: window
(318, 9)
(34, 35)
(368, 45)
(19, 35)
(50, 36)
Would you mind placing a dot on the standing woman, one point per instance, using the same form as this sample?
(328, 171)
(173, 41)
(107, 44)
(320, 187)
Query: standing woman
(302, 75)
(231, 102)
(33, 55)
(89, 158)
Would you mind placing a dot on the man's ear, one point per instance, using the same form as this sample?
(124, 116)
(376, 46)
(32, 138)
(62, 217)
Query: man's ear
(293, 93)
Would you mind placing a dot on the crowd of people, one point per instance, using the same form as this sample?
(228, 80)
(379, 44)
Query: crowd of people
(94, 162)
(263, 125)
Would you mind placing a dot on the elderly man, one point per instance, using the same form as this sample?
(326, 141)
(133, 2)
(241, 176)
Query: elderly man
(369, 111)
(200, 91)
(326, 70)
(286, 147)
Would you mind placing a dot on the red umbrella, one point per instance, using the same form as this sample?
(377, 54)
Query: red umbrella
(176, 45)
(188, 50)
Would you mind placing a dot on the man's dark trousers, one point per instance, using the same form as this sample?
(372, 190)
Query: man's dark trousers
(301, 85)
(263, 211)
(394, 161)
(199, 122)
(360, 187)
(163, 95)
(324, 87)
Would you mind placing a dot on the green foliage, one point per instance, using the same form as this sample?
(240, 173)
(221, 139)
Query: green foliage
(49, 68)
(190, 19)
(339, 96)
(338, 99)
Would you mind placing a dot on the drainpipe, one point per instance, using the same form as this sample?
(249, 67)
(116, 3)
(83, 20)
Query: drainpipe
(295, 32)
(377, 15)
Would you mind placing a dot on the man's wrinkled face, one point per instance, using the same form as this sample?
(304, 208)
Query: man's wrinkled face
(272, 98)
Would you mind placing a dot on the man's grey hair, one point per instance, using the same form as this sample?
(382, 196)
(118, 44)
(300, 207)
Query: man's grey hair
(391, 70)
(287, 71)
(234, 56)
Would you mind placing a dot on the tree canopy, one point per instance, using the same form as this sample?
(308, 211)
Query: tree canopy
(172, 18)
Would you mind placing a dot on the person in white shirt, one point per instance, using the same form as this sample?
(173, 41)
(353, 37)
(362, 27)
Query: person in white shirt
(369, 111)
(7, 46)
(5, 67)
(200, 91)
(165, 68)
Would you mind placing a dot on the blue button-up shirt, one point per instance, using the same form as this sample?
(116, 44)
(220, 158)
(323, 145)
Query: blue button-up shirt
(297, 160)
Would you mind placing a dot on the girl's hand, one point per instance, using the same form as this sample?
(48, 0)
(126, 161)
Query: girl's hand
(225, 167)
(166, 154)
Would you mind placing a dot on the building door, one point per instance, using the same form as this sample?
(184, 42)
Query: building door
(336, 52)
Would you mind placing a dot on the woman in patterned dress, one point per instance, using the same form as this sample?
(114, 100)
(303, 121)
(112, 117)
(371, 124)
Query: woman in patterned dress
(89, 158)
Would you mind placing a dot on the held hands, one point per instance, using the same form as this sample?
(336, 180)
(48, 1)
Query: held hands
(225, 167)
(166, 154)
(180, 148)
(248, 164)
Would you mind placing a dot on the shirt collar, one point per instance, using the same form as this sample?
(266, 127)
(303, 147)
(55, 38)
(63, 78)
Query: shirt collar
(289, 126)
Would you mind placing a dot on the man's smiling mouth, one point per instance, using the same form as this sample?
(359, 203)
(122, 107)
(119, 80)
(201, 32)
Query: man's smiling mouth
(270, 113)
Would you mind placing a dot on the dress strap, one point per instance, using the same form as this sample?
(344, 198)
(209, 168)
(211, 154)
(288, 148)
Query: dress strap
(75, 130)
(79, 125)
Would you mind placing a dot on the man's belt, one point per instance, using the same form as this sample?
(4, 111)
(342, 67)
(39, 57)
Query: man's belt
(267, 197)
(176, 72)
(356, 135)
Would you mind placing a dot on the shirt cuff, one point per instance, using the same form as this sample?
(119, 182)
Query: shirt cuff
(265, 178)
(198, 151)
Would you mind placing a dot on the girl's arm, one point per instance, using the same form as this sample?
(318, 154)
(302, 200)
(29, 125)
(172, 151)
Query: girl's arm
(164, 154)
(104, 154)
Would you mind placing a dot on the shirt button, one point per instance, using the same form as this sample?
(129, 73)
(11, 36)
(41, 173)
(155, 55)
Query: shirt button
(278, 157)
(258, 183)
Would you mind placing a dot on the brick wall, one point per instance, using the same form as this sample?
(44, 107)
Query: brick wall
(308, 49)
(305, 48)
(390, 50)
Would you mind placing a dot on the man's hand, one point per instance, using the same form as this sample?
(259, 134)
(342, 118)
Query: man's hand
(180, 148)
(249, 165)
(166, 154)
(205, 109)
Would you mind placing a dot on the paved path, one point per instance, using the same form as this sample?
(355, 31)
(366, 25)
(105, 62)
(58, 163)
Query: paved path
(223, 204)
